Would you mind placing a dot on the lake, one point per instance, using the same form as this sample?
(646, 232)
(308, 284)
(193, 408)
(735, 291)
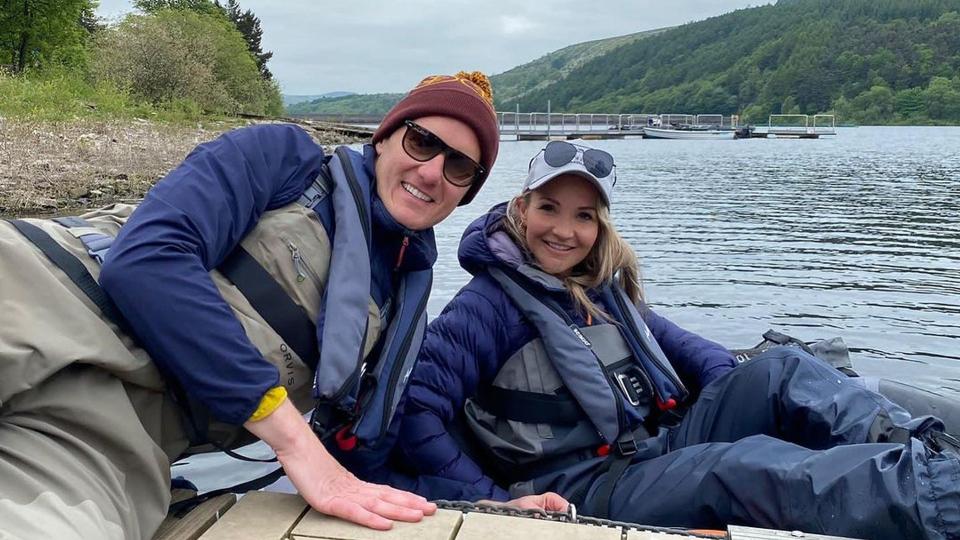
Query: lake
(856, 236)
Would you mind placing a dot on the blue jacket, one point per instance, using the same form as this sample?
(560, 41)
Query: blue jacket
(157, 269)
(466, 346)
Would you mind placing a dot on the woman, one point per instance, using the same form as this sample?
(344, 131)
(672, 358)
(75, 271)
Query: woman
(215, 317)
(548, 372)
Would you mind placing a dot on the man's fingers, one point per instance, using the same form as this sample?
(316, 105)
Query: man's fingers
(352, 511)
(393, 511)
(553, 502)
(549, 501)
(409, 500)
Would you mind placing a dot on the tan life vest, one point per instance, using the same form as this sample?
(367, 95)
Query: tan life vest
(59, 325)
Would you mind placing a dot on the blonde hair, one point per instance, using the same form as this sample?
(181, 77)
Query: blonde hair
(611, 256)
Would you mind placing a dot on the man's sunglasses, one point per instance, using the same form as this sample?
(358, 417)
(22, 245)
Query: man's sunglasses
(596, 162)
(422, 146)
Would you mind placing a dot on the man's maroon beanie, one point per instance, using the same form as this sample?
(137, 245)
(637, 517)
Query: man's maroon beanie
(467, 97)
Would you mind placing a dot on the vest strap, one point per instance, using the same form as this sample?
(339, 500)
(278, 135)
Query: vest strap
(619, 459)
(318, 190)
(97, 243)
(74, 269)
(287, 319)
(530, 407)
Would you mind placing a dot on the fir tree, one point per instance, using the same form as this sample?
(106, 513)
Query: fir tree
(249, 25)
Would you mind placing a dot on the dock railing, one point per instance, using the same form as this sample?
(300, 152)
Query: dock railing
(547, 125)
(718, 120)
(800, 125)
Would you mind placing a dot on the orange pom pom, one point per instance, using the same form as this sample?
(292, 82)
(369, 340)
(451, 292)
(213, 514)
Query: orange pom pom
(480, 80)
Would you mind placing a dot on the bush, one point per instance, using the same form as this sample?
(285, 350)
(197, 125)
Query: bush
(172, 57)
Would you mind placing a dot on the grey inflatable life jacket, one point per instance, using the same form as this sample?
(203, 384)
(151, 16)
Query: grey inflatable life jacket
(566, 395)
(356, 398)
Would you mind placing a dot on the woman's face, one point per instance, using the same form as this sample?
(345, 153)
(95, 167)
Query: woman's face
(561, 222)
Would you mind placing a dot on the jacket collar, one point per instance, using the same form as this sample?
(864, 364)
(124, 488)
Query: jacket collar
(485, 242)
(421, 251)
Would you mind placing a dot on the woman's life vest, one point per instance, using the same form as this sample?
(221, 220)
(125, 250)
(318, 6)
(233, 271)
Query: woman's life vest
(280, 281)
(574, 391)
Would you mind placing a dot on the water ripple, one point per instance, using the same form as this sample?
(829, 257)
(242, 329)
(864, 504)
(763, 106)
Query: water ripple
(855, 236)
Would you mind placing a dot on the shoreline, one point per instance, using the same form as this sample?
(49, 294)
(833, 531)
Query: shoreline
(50, 168)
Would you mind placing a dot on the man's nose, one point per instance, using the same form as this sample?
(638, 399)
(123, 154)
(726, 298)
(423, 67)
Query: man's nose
(432, 169)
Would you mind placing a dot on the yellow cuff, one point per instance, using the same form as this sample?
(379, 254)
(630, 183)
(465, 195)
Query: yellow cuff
(269, 403)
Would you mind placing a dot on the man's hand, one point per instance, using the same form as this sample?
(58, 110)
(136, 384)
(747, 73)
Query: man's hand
(549, 501)
(324, 483)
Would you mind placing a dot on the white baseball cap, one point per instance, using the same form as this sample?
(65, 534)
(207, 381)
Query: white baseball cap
(563, 157)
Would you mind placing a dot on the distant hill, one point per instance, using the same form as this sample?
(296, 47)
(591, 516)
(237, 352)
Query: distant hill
(290, 99)
(513, 85)
(507, 86)
(867, 61)
(367, 104)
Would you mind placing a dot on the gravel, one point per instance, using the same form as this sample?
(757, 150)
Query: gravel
(49, 168)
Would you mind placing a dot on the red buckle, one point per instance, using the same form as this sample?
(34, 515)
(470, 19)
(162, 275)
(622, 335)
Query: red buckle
(603, 450)
(667, 405)
(345, 440)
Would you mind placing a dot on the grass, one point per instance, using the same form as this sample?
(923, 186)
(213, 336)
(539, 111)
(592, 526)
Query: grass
(64, 94)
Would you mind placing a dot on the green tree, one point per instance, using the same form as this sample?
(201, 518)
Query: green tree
(204, 7)
(37, 33)
(942, 97)
(910, 103)
(249, 26)
(184, 57)
(875, 106)
(789, 106)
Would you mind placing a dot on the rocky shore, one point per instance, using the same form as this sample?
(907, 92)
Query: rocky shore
(50, 168)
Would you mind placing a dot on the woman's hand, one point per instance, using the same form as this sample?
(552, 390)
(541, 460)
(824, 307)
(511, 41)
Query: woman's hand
(549, 501)
(324, 483)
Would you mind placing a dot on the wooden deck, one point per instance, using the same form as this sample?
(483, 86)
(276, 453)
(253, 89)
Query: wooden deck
(278, 516)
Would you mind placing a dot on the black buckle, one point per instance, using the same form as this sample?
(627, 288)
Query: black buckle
(321, 419)
(627, 447)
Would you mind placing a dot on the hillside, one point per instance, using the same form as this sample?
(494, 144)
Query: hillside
(372, 104)
(290, 99)
(507, 86)
(511, 86)
(870, 61)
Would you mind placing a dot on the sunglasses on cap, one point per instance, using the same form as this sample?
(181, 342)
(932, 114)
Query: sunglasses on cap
(422, 145)
(596, 162)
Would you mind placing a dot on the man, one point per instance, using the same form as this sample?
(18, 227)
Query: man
(258, 280)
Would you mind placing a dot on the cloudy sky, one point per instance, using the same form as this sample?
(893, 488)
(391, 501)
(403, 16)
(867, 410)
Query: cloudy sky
(370, 46)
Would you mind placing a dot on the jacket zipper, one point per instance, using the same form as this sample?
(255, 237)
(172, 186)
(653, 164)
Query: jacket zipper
(401, 353)
(403, 251)
(300, 264)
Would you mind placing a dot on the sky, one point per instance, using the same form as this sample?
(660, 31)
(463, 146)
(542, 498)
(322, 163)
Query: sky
(373, 46)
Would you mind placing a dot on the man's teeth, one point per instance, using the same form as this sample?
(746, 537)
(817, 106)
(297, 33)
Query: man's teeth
(416, 192)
